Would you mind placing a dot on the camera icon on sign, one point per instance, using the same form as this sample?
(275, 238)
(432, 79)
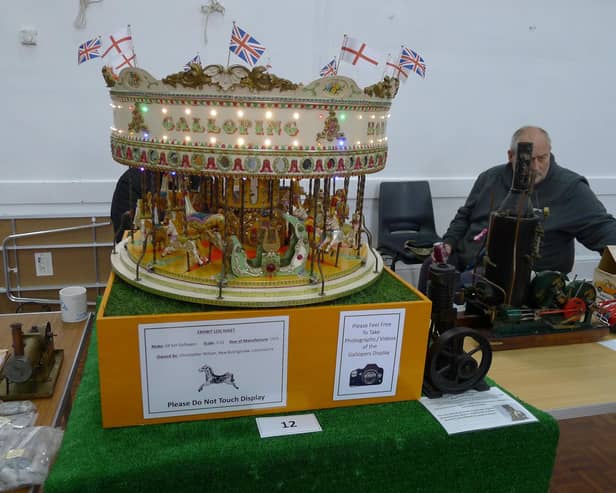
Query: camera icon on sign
(370, 374)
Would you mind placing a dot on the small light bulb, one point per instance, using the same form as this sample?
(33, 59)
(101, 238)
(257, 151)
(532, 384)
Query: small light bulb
(358, 143)
(342, 116)
(165, 137)
(164, 110)
(213, 112)
(373, 117)
(361, 117)
(295, 143)
(296, 116)
(240, 113)
(240, 141)
(187, 138)
(212, 140)
(268, 115)
(187, 111)
(268, 142)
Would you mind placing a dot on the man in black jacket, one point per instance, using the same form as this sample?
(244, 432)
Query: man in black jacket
(575, 212)
(125, 196)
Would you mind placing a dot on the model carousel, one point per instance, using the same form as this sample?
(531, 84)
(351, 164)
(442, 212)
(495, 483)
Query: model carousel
(255, 185)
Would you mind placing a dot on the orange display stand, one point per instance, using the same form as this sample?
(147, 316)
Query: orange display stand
(313, 338)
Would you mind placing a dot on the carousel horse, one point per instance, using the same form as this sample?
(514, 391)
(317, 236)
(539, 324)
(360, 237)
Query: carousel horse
(334, 234)
(177, 242)
(141, 217)
(208, 226)
(211, 377)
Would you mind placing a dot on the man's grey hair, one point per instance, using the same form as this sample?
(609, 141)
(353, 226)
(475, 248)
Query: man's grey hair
(516, 136)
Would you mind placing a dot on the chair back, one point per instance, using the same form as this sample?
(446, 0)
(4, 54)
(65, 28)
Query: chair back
(406, 211)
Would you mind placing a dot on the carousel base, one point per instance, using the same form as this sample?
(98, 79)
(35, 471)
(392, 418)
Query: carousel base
(291, 290)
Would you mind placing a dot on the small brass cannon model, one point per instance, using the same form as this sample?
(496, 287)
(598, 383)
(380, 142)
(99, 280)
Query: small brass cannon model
(32, 369)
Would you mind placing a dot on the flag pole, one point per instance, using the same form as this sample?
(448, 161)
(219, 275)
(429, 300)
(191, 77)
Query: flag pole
(344, 43)
(387, 64)
(229, 51)
(399, 69)
(128, 31)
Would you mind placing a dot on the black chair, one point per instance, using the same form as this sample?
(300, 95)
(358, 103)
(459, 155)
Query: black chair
(406, 218)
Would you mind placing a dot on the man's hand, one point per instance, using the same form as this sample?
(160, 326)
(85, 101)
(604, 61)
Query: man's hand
(441, 252)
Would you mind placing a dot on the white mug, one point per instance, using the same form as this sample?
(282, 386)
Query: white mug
(74, 304)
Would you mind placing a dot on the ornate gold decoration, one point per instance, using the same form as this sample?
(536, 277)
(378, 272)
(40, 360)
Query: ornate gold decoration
(331, 128)
(194, 78)
(236, 75)
(260, 80)
(387, 88)
(108, 75)
(137, 124)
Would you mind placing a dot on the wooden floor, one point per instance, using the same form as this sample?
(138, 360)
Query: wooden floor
(586, 457)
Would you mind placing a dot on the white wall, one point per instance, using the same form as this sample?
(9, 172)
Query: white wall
(492, 67)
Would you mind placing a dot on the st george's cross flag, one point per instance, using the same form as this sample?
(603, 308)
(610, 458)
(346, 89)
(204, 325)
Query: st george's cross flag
(118, 51)
(411, 60)
(355, 52)
(396, 70)
(245, 46)
(89, 50)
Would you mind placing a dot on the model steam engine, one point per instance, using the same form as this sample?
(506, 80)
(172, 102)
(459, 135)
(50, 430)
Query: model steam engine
(458, 357)
(504, 298)
(503, 302)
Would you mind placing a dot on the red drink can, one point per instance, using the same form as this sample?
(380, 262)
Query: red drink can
(440, 253)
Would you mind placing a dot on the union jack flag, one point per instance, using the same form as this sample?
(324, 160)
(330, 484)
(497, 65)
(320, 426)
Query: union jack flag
(88, 50)
(196, 59)
(329, 69)
(245, 46)
(412, 61)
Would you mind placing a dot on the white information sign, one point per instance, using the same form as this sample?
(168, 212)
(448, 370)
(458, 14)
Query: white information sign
(288, 425)
(610, 344)
(475, 410)
(369, 345)
(213, 366)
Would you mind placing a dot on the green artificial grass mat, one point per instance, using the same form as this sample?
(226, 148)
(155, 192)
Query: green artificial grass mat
(385, 447)
(126, 299)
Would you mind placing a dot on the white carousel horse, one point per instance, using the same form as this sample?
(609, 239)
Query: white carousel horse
(176, 242)
(299, 212)
(211, 377)
(333, 234)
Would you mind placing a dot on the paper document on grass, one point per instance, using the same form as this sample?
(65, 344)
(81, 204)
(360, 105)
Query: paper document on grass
(474, 410)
